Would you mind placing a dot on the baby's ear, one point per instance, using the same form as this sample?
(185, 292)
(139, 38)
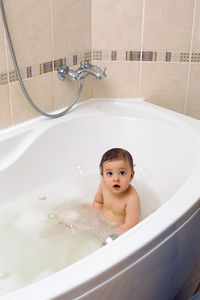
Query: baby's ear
(132, 174)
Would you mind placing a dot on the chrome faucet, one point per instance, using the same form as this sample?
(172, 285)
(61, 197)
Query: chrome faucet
(80, 74)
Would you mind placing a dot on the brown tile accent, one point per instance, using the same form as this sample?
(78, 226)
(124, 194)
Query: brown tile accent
(29, 72)
(57, 64)
(75, 59)
(136, 55)
(48, 67)
(147, 55)
(113, 55)
(168, 56)
(133, 55)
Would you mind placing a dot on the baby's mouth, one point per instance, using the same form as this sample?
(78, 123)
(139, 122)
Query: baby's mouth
(116, 186)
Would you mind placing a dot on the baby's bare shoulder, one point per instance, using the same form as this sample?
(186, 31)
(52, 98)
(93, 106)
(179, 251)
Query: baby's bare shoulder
(101, 187)
(132, 194)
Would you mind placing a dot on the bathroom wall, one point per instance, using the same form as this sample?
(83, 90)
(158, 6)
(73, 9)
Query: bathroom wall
(45, 34)
(151, 49)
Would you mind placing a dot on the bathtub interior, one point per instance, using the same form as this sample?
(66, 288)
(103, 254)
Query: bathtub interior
(43, 154)
(164, 156)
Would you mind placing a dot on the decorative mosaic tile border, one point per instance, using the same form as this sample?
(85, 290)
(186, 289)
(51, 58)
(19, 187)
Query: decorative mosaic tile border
(101, 55)
(43, 68)
(3, 78)
(160, 56)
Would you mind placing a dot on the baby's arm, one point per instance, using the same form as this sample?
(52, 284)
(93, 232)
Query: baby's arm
(132, 212)
(98, 200)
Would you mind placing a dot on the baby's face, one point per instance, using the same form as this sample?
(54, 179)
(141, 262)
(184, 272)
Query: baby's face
(117, 175)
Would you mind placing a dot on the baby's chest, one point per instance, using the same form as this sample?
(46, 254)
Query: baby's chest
(114, 203)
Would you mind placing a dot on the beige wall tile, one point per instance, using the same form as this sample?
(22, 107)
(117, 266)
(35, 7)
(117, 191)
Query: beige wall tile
(196, 36)
(164, 84)
(29, 22)
(122, 80)
(168, 25)
(71, 27)
(66, 91)
(3, 67)
(5, 112)
(116, 24)
(193, 100)
(40, 89)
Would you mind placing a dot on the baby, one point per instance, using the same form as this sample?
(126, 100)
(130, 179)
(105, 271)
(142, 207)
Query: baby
(116, 198)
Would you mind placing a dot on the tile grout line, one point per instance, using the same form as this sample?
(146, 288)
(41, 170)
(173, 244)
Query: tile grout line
(53, 52)
(8, 82)
(190, 60)
(91, 41)
(141, 49)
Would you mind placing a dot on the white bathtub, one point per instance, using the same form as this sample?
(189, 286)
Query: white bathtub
(159, 259)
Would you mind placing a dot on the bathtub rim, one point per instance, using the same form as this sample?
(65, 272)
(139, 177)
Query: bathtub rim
(78, 110)
(133, 233)
(35, 127)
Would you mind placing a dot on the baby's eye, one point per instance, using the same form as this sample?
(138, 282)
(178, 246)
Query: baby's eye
(109, 173)
(122, 173)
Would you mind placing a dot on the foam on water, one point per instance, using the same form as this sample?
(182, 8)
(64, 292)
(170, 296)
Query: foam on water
(50, 228)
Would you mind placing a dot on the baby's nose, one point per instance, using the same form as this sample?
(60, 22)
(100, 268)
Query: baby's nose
(116, 177)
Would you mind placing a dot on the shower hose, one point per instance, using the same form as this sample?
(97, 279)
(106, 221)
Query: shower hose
(56, 115)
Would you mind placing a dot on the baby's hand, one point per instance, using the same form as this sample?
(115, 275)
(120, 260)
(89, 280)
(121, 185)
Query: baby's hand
(122, 228)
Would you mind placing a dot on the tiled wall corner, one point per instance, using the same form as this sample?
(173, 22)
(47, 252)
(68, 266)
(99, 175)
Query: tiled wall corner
(164, 84)
(5, 109)
(193, 100)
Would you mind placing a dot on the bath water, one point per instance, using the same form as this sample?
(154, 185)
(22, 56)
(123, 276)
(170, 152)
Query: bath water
(50, 228)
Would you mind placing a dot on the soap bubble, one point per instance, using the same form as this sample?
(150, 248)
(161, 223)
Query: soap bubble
(3, 275)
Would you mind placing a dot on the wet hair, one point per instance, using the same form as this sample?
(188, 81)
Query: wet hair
(115, 154)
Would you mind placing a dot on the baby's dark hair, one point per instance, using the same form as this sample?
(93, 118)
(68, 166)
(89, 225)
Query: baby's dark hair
(116, 153)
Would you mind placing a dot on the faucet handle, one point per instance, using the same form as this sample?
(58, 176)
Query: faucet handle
(62, 72)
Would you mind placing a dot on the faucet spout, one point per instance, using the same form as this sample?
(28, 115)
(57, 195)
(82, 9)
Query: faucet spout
(93, 70)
